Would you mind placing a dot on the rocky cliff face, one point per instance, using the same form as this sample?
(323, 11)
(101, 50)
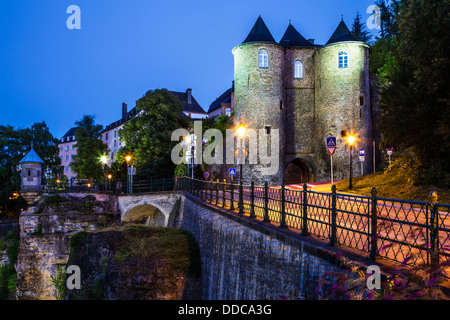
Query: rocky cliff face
(44, 238)
(136, 263)
(132, 262)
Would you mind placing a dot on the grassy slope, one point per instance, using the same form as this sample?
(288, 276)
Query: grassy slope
(393, 184)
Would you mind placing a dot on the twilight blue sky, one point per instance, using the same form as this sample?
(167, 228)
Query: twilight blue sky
(124, 48)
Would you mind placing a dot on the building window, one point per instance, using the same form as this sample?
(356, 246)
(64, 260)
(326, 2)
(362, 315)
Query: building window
(67, 169)
(298, 70)
(228, 112)
(67, 148)
(67, 158)
(343, 59)
(263, 58)
(361, 101)
(106, 136)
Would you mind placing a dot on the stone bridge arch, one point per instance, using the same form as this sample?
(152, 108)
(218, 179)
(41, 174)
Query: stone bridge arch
(152, 209)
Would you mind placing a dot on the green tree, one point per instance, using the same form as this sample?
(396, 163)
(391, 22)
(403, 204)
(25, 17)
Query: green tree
(148, 135)
(14, 144)
(359, 30)
(87, 162)
(414, 91)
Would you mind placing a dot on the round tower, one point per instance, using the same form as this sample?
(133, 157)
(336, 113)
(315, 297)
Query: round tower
(342, 104)
(260, 99)
(31, 175)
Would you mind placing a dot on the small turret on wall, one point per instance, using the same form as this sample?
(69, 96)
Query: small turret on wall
(31, 177)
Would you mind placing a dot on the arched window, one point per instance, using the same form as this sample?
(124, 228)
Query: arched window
(298, 69)
(263, 58)
(343, 59)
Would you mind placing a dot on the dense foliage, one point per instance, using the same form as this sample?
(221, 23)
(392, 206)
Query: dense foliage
(87, 162)
(14, 144)
(411, 62)
(148, 135)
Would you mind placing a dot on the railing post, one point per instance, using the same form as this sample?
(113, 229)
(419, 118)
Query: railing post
(217, 191)
(232, 196)
(333, 217)
(434, 232)
(241, 198)
(211, 191)
(305, 211)
(252, 201)
(283, 206)
(266, 202)
(374, 225)
(224, 192)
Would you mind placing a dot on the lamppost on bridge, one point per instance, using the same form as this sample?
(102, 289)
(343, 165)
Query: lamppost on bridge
(190, 140)
(129, 175)
(104, 160)
(350, 139)
(241, 154)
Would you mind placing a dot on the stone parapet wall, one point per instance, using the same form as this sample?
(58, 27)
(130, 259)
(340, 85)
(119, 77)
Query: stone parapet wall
(243, 261)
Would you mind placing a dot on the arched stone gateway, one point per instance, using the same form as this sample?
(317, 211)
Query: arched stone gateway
(298, 172)
(147, 215)
(150, 209)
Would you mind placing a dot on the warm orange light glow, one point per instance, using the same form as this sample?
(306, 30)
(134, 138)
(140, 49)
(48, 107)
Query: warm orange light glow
(109, 176)
(351, 140)
(128, 158)
(241, 131)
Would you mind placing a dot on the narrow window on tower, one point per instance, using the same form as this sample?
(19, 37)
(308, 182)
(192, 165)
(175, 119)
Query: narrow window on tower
(343, 59)
(267, 129)
(263, 58)
(361, 101)
(298, 70)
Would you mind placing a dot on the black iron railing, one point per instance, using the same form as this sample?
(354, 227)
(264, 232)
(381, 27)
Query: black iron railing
(411, 232)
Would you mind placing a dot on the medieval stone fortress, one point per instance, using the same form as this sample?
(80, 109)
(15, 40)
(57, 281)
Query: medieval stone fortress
(308, 92)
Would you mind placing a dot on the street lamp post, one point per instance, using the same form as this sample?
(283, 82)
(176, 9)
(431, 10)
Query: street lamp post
(241, 134)
(351, 140)
(129, 176)
(109, 182)
(104, 160)
(241, 153)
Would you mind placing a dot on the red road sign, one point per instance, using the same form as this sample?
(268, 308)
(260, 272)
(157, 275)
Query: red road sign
(331, 150)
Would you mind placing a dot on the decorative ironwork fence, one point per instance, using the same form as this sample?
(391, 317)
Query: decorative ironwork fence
(411, 232)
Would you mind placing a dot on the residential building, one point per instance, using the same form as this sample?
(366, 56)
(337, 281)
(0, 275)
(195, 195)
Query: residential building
(223, 105)
(67, 151)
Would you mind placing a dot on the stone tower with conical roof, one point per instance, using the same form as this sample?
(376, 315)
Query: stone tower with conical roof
(342, 100)
(308, 92)
(259, 94)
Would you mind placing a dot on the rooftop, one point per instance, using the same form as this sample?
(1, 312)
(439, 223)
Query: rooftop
(31, 156)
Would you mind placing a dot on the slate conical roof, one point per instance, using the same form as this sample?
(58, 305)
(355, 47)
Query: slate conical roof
(293, 38)
(31, 156)
(259, 33)
(342, 33)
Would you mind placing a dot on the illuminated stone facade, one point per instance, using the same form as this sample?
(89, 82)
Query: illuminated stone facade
(308, 92)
